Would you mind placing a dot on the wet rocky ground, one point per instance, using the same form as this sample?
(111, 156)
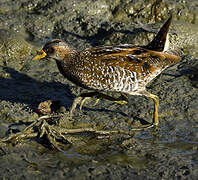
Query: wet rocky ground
(171, 152)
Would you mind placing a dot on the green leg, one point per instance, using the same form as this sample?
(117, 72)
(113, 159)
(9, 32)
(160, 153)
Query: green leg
(121, 100)
(156, 105)
(155, 114)
(86, 96)
(82, 98)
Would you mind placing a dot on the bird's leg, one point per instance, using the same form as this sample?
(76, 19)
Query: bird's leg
(156, 105)
(121, 100)
(82, 98)
(155, 114)
(86, 96)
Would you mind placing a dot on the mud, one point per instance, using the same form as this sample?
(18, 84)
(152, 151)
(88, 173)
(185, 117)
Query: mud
(167, 153)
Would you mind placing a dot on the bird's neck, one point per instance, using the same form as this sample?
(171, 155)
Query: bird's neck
(70, 55)
(67, 62)
(65, 54)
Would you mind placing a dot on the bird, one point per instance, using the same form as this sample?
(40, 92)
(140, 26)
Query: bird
(123, 68)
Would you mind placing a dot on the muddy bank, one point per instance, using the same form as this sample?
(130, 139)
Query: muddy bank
(169, 153)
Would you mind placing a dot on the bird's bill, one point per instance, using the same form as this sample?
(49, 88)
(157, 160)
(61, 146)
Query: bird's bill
(40, 55)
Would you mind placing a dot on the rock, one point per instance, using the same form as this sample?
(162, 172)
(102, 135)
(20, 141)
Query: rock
(14, 49)
(50, 106)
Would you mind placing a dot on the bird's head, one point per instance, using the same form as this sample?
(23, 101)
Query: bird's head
(56, 49)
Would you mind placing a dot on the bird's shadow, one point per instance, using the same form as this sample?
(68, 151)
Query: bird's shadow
(21, 88)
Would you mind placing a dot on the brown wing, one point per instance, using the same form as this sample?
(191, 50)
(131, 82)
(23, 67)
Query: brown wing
(130, 57)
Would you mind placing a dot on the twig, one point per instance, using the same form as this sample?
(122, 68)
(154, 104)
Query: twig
(54, 133)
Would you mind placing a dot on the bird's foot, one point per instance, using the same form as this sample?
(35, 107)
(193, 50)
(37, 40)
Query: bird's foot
(121, 100)
(83, 98)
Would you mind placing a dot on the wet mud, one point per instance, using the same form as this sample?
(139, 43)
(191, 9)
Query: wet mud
(50, 148)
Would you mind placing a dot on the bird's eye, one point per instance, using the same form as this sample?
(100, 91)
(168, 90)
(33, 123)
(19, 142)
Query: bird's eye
(50, 50)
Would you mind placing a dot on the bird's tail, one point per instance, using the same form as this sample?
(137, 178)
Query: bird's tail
(160, 41)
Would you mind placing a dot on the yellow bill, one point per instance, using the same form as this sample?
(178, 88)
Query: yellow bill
(40, 55)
